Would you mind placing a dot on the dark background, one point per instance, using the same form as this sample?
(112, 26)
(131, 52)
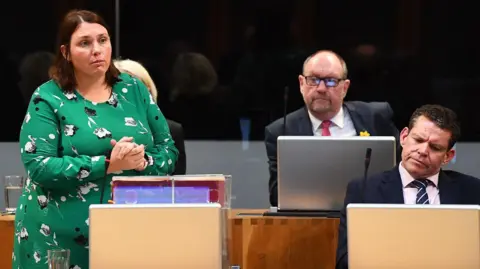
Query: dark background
(408, 53)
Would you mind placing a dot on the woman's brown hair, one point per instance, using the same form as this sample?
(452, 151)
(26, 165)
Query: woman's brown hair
(62, 70)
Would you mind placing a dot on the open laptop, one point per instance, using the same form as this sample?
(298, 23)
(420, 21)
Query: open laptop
(413, 236)
(314, 171)
(152, 236)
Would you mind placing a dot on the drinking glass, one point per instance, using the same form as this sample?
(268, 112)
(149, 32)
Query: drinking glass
(59, 259)
(13, 186)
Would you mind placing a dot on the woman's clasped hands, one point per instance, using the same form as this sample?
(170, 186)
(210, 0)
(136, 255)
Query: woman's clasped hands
(126, 155)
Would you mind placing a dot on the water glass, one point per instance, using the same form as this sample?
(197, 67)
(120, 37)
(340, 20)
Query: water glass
(13, 186)
(59, 259)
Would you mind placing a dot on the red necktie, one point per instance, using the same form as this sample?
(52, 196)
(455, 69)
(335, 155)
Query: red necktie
(324, 126)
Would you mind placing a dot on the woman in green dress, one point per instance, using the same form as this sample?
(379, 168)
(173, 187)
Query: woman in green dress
(85, 125)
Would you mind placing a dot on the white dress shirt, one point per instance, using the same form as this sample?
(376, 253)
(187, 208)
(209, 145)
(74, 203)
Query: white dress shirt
(342, 125)
(410, 194)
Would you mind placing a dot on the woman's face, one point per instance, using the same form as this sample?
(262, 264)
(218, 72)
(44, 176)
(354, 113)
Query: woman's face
(90, 49)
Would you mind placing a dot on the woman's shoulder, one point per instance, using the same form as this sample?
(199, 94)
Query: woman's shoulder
(131, 86)
(126, 81)
(125, 78)
(47, 90)
(49, 86)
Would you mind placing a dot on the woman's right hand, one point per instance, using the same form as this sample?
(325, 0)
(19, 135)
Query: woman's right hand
(126, 155)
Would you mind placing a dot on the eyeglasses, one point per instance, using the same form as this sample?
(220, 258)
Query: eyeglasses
(329, 82)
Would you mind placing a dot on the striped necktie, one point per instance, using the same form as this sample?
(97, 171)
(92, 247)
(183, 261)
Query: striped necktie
(421, 185)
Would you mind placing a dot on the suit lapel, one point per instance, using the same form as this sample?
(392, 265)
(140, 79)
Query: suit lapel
(304, 126)
(358, 119)
(449, 190)
(391, 187)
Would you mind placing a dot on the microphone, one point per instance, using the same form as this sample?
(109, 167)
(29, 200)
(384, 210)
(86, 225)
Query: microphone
(285, 104)
(368, 155)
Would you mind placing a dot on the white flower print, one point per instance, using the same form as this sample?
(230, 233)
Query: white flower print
(42, 201)
(70, 95)
(45, 230)
(83, 173)
(102, 133)
(113, 100)
(37, 257)
(85, 189)
(129, 121)
(30, 147)
(70, 130)
(150, 160)
(23, 234)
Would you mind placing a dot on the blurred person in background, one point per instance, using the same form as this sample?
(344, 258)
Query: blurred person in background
(139, 71)
(85, 125)
(33, 72)
(205, 109)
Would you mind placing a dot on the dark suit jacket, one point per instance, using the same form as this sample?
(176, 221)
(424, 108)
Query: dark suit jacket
(176, 130)
(386, 188)
(374, 117)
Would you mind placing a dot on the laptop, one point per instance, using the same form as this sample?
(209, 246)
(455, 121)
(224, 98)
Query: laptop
(314, 171)
(413, 236)
(466, 159)
(152, 236)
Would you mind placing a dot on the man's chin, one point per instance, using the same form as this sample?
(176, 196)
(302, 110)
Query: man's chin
(320, 108)
(416, 169)
(416, 163)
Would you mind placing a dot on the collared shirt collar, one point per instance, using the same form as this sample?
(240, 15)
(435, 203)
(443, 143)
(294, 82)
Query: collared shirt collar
(338, 120)
(407, 178)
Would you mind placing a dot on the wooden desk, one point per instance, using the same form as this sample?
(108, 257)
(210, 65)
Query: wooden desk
(254, 241)
(282, 242)
(6, 240)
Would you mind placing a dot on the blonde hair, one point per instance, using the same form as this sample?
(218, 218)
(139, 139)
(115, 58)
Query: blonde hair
(139, 71)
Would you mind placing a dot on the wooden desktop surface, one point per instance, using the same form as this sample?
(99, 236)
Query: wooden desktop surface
(254, 241)
(6, 240)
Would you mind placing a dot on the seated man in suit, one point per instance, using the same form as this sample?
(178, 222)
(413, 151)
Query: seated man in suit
(324, 85)
(427, 145)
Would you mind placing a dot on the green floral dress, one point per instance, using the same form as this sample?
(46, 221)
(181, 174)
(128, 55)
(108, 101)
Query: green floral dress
(63, 143)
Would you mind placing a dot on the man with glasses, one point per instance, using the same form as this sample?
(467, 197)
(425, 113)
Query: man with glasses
(324, 84)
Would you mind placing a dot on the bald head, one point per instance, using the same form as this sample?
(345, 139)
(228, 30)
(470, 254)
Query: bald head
(326, 60)
(324, 100)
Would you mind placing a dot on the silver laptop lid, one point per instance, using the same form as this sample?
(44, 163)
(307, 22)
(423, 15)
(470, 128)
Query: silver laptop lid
(313, 171)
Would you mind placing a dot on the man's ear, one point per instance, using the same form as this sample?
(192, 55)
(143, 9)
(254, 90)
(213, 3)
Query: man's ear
(63, 50)
(449, 156)
(346, 85)
(301, 82)
(403, 135)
